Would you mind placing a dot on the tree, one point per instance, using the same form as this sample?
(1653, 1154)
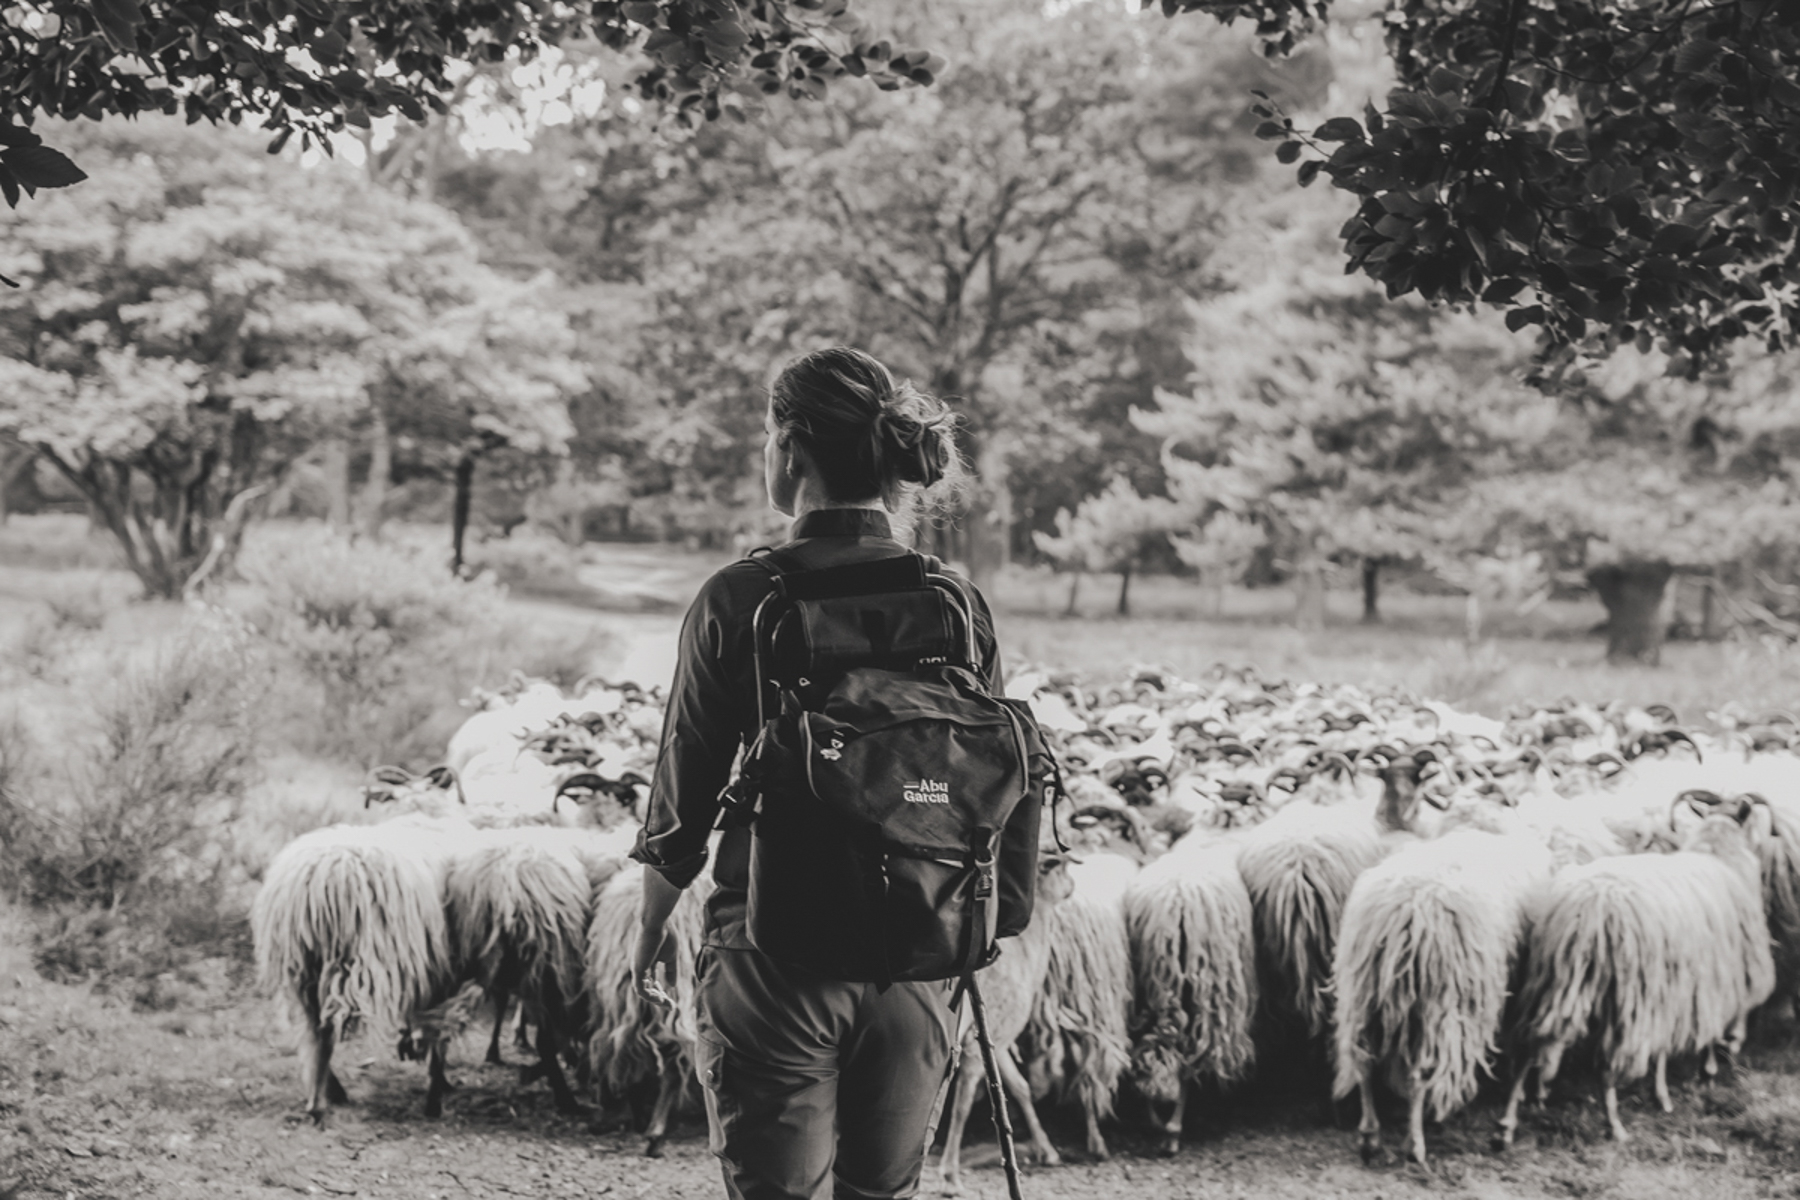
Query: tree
(320, 68)
(1337, 422)
(1611, 174)
(1642, 476)
(198, 315)
(1111, 531)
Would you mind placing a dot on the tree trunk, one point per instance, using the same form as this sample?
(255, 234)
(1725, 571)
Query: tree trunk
(1309, 596)
(1371, 588)
(1710, 627)
(1125, 591)
(986, 525)
(381, 470)
(14, 459)
(1074, 593)
(1633, 594)
(335, 464)
(459, 512)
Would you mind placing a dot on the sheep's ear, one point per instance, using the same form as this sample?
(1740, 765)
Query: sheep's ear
(1759, 822)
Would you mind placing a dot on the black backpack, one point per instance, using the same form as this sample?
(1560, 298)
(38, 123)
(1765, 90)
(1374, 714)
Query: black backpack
(894, 800)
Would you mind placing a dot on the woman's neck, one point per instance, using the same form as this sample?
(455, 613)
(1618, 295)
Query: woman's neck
(811, 498)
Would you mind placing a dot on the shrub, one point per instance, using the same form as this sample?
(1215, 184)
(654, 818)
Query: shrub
(377, 642)
(138, 802)
(377, 634)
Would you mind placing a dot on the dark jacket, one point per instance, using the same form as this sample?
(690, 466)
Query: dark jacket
(712, 710)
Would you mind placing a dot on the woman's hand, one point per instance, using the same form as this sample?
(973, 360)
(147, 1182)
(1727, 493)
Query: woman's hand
(653, 966)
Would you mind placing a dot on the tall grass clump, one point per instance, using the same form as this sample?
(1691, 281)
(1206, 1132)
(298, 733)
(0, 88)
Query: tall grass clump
(377, 642)
(118, 823)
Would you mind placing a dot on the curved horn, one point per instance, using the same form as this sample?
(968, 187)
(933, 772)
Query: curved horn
(390, 774)
(444, 776)
(1699, 801)
(1682, 735)
(1663, 713)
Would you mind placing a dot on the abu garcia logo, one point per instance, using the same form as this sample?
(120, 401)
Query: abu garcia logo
(925, 791)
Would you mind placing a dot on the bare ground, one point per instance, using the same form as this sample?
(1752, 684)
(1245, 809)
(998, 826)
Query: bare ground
(189, 1089)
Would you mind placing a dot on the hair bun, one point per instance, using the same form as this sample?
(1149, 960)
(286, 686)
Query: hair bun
(912, 445)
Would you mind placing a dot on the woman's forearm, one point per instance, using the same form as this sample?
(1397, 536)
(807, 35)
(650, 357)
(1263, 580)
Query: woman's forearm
(660, 898)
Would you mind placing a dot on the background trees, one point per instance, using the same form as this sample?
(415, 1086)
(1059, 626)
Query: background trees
(199, 315)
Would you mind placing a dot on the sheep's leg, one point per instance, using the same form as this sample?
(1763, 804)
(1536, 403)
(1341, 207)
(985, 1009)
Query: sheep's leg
(521, 1031)
(1611, 1080)
(668, 1089)
(1171, 1143)
(1549, 1063)
(1662, 1083)
(334, 1089)
(1415, 1116)
(1710, 1065)
(437, 1082)
(550, 1063)
(1096, 1141)
(493, 1050)
(968, 1078)
(1021, 1090)
(1370, 1125)
(320, 1040)
(1509, 1123)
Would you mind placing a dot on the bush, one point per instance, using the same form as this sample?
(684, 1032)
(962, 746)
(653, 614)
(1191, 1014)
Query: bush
(122, 832)
(139, 802)
(379, 641)
(375, 633)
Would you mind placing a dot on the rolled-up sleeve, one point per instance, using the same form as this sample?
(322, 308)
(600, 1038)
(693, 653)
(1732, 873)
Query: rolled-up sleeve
(700, 737)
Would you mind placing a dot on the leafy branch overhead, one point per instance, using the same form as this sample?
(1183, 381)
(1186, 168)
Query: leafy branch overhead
(317, 66)
(1610, 173)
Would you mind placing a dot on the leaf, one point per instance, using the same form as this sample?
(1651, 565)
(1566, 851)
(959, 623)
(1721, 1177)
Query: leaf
(9, 187)
(1270, 130)
(1502, 291)
(1519, 318)
(1287, 152)
(41, 167)
(119, 21)
(1309, 171)
(329, 46)
(1340, 129)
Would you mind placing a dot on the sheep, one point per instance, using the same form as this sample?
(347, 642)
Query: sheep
(1426, 948)
(1299, 867)
(1190, 926)
(1009, 986)
(349, 924)
(1663, 953)
(519, 901)
(1082, 1014)
(630, 1041)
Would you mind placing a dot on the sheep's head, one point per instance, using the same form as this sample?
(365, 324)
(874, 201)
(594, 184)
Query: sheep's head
(1737, 826)
(1403, 774)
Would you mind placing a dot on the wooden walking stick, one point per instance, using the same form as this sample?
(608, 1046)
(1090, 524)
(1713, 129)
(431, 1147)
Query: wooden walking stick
(1009, 1155)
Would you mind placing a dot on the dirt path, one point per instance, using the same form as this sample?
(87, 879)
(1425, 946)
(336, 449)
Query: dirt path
(100, 1099)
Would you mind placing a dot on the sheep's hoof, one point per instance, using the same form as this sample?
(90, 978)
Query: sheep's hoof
(334, 1090)
(951, 1185)
(434, 1106)
(1048, 1157)
(1417, 1155)
(1169, 1147)
(1503, 1141)
(1619, 1134)
(1370, 1149)
(317, 1117)
(653, 1148)
(494, 1058)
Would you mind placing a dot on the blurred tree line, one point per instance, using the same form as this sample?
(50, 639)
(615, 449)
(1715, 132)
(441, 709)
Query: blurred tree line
(1072, 230)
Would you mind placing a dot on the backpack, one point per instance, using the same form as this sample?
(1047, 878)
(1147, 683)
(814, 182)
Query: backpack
(894, 800)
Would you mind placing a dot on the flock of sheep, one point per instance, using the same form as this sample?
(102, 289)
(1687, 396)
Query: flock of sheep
(1412, 888)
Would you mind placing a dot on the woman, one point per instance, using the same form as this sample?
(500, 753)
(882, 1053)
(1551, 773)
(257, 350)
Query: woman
(814, 1088)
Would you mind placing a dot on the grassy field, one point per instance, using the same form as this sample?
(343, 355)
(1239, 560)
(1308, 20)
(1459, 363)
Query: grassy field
(137, 1060)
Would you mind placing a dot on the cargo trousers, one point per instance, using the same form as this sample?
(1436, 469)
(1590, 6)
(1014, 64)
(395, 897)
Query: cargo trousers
(815, 1089)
